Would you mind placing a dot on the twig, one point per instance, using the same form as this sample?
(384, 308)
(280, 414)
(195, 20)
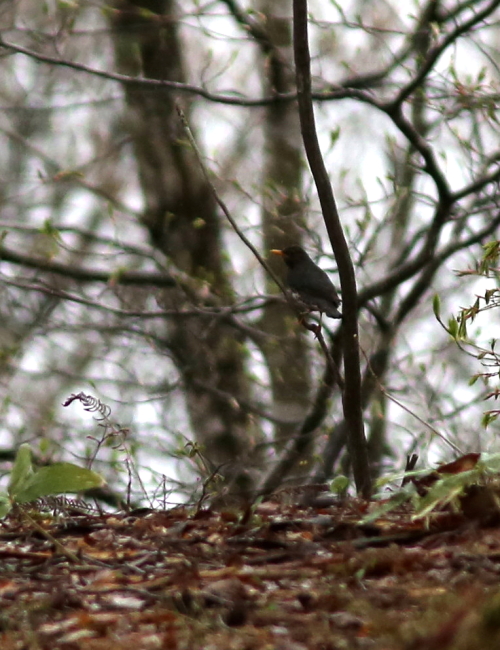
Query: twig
(412, 413)
(316, 329)
(426, 424)
(221, 203)
(57, 544)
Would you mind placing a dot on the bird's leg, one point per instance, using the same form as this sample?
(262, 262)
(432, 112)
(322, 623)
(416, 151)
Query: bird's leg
(312, 327)
(316, 329)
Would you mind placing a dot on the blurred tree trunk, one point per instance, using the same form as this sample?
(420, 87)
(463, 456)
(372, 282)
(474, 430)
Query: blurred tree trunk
(285, 349)
(182, 219)
(403, 171)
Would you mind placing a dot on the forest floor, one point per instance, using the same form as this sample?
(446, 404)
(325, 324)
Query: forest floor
(274, 576)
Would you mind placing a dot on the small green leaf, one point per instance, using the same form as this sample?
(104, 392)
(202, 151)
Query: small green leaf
(5, 505)
(22, 470)
(462, 329)
(44, 446)
(488, 418)
(453, 327)
(147, 13)
(436, 306)
(339, 484)
(491, 250)
(490, 463)
(445, 491)
(386, 506)
(48, 229)
(334, 136)
(58, 479)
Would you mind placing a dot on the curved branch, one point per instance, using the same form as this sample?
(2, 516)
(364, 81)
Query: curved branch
(477, 185)
(423, 283)
(410, 269)
(395, 112)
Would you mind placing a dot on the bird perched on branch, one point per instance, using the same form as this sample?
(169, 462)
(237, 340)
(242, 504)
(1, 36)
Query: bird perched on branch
(309, 283)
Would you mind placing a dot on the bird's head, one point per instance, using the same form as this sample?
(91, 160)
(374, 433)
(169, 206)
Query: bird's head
(292, 255)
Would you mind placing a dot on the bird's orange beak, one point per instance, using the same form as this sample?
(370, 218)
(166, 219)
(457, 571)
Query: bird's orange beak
(277, 252)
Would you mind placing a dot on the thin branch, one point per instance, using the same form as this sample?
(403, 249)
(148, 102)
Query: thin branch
(223, 313)
(376, 367)
(73, 176)
(87, 235)
(477, 185)
(395, 112)
(116, 277)
(403, 273)
(252, 27)
(55, 292)
(423, 283)
(237, 403)
(222, 204)
(235, 99)
(421, 420)
(377, 364)
(305, 434)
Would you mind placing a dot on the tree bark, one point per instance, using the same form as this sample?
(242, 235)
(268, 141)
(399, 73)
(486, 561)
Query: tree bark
(283, 223)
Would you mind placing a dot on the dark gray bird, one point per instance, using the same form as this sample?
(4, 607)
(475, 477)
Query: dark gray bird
(310, 283)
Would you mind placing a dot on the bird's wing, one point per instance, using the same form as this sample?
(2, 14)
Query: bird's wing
(316, 283)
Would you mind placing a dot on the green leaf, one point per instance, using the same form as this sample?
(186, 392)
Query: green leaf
(488, 418)
(462, 328)
(438, 497)
(5, 505)
(436, 306)
(334, 136)
(48, 229)
(22, 471)
(57, 479)
(397, 477)
(491, 250)
(490, 463)
(453, 327)
(445, 491)
(339, 484)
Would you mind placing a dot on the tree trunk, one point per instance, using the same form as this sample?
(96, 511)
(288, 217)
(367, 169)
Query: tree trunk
(183, 222)
(283, 224)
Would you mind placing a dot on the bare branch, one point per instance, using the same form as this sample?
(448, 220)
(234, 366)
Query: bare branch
(305, 434)
(222, 204)
(135, 278)
(344, 90)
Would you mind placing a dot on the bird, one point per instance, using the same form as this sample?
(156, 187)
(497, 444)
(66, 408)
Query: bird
(309, 283)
